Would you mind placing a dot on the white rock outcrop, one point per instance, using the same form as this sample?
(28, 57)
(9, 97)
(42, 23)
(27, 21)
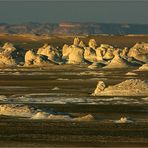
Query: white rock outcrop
(131, 87)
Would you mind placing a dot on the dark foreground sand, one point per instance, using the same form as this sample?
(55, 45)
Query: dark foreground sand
(19, 132)
(101, 132)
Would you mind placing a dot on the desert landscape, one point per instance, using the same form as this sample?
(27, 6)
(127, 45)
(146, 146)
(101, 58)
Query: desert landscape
(73, 73)
(87, 90)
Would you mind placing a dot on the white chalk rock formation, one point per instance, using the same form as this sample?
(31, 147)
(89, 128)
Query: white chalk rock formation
(88, 117)
(73, 54)
(92, 43)
(50, 52)
(94, 65)
(117, 61)
(76, 41)
(124, 53)
(6, 55)
(90, 54)
(131, 87)
(100, 87)
(81, 44)
(139, 51)
(8, 48)
(123, 120)
(16, 110)
(32, 59)
(144, 67)
(40, 115)
(131, 74)
(7, 61)
(30, 56)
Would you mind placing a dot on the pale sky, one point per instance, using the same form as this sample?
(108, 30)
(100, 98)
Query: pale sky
(45, 11)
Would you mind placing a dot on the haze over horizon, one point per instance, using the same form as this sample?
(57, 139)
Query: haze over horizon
(128, 12)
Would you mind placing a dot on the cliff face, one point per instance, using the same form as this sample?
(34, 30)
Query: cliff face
(74, 28)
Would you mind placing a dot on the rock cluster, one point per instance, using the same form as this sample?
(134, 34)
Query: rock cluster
(96, 56)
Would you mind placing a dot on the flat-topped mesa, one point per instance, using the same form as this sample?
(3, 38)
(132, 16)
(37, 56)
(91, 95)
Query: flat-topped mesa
(139, 51)
(131, 87)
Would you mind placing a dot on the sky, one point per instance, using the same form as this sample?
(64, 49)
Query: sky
(53, 11)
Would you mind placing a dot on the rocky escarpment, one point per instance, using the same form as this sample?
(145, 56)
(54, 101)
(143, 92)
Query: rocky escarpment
(71, 28)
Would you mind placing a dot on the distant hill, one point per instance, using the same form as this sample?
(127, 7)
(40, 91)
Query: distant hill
(69, 28)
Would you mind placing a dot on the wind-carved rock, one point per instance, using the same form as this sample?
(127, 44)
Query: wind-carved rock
(92, 43)
(74, 54)
(76, 41)
(49, 51)
(100, 87)
(117, 61)
(139, 51)
(7, 55)
(81, 44)
(131, 87)
(33, 59)
(29, 57)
